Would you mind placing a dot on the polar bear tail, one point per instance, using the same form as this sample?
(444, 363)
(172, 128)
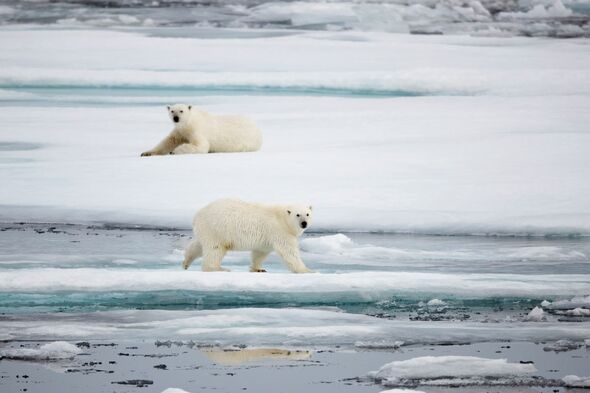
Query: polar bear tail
(193, 251)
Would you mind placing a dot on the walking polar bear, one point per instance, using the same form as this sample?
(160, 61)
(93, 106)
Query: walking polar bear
(231, 224)
(197, 131)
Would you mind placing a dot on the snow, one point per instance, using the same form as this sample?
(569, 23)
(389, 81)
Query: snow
(573, 381)
(502, 150)
(52, 351)
(373, 285)
(432, 367)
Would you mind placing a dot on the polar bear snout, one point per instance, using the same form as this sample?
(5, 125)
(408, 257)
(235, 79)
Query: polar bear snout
(304, 224)
(176, 119)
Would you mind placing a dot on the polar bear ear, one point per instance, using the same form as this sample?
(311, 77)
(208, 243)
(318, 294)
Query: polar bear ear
(310, 207)
(189, 107)
(168, 107)
(288, 211)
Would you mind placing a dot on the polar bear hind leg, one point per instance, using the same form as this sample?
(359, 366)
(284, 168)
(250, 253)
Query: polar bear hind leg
(212, 257)
(257, 258)
(189, 148)
(193, 251)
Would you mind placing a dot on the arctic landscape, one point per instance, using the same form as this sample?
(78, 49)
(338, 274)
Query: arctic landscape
(444, 147)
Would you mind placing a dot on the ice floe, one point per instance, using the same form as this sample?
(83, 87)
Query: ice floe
(536, 315)
(52, 351)
(174, 390)
(348, 286)
(448, 370)
(562, 346)
(267, 327)
(573, 381)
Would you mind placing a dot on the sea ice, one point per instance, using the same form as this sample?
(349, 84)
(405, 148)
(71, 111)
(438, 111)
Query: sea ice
(536, 315)
(52, 351)
(368, 285)
(174, 390)
(561, 346)
(578, 312)
(573, 381)
(401, 391)
(434, 367)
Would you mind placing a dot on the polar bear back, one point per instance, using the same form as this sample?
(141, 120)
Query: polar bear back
(231, 133)
(238, 225)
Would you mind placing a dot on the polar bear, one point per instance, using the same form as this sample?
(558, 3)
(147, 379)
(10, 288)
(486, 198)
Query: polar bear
(231, 224)
(197, 131)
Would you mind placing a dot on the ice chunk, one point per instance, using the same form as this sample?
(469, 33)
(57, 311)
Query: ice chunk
(536, 315)
(174, 390)
(379, 344)
(578, 312)
(561, 346)
(327, 244)
(53, 351)
(436, 302)
(573, 381)
(433, 367)
(575, 302)
(545, 303)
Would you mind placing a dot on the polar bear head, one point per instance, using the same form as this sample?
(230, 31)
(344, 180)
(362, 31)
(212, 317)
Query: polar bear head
(180, 113)
(298, 217)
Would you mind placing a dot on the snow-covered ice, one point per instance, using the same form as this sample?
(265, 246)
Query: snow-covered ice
(573, 381)
(502, 150)
(555, 18)
(355, 285)
(283, 327)
(536, 315)
(52, 351)
(457, 369)
(174, 390)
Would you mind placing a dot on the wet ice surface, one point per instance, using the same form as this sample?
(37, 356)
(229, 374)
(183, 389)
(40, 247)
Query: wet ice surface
(407, 298)
(229, 369)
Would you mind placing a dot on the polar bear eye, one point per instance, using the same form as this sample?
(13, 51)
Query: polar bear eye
(298, 215)
(307, 214)
(180, 111)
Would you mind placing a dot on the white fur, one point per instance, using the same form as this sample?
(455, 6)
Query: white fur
(197, 131)
(231, 224)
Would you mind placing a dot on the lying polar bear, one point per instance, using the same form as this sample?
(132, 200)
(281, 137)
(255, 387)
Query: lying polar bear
(231, 224)
(200, 132)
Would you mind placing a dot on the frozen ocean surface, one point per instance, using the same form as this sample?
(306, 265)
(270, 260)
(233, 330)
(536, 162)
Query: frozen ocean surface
(448, 174)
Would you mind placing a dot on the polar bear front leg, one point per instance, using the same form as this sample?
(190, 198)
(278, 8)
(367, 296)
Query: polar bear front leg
(212, 257)
(167, 145)
(257, 258)
(289, 252)
(189, 148)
